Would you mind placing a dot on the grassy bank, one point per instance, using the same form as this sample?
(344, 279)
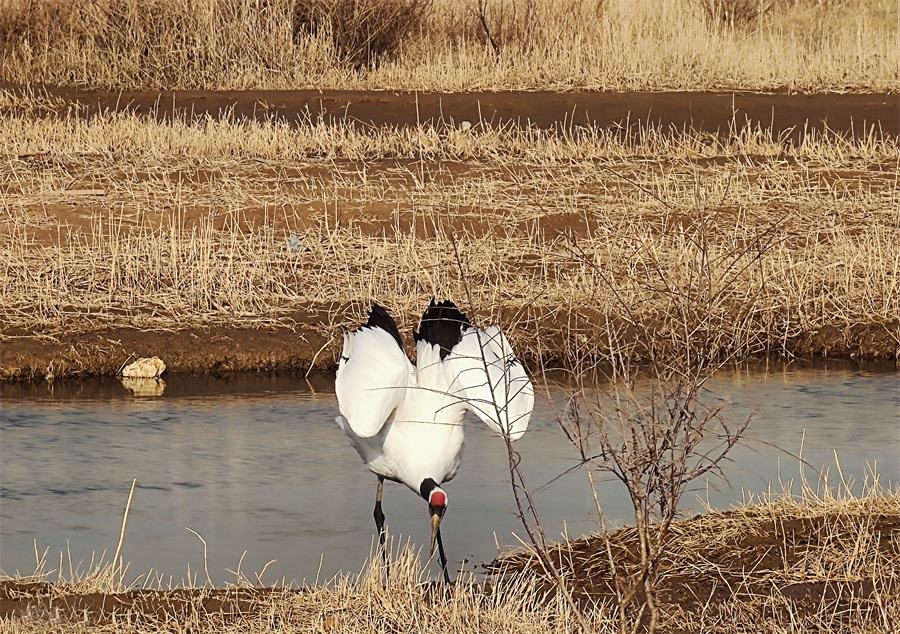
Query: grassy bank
(591, 245)
(813, 562)
(806, 563)
(802, 45)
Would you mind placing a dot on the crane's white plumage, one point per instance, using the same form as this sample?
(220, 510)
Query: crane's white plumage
(493, 381)
(406, 422)
(372, 379)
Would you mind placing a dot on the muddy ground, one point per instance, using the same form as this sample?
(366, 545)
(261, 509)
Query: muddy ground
(783, 113)
(30, 353)
(221, 350)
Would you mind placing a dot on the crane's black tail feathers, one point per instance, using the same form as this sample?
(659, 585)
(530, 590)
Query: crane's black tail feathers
(442, 324)
(379, 317)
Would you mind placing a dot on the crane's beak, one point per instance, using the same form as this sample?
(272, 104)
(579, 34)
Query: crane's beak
(435, 526)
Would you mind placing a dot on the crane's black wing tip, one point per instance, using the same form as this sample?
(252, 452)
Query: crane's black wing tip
(442, 324)
(379, 317)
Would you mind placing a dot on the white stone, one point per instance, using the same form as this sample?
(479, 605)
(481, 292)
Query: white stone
(146, 368)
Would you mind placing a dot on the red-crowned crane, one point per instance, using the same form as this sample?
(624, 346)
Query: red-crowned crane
(406, 421)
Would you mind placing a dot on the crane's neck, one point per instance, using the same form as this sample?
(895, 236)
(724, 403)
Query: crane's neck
(428, 485)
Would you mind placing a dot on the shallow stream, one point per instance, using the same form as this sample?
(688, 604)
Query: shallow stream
(257, 464)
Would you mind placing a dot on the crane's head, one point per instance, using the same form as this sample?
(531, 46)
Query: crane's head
(437, 505)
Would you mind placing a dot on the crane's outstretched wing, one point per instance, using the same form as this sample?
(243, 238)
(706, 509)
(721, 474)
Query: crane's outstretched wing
(373, 374)
(482, 369)
(494, 381)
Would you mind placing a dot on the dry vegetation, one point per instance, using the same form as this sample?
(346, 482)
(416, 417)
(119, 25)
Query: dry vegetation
(591, 245)
(805, 45)
(603, 246)
(814, 562)
(611, 246)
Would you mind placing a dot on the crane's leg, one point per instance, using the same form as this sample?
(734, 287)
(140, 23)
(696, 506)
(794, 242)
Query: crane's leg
(379, 518)
(443, 557)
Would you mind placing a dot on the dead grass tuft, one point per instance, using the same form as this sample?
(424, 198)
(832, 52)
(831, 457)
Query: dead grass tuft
(362, 32)
(740, 13)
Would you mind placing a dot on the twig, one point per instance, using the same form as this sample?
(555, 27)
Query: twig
(116, 563)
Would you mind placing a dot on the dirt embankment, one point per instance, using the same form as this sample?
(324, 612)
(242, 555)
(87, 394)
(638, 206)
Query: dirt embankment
(40, 600)
(222, 350)
(782, 113)
(216, 350)
(784, 561)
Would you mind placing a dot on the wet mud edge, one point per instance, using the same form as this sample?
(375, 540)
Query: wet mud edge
(781, 113)
(221, 350)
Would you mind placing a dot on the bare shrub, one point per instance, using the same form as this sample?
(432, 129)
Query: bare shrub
(656, 441)
(736, 12)
(522, 25)
(503, 23)
(361, 31)
(655, 444)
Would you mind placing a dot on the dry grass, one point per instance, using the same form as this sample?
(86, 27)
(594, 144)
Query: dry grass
(407, 603)
(820, 559)
(362, 33)
(497, 44)
(813, 562)
(601, 246)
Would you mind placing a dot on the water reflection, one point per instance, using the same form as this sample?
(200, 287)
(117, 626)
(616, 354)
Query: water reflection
(257, 464)
(143, 386)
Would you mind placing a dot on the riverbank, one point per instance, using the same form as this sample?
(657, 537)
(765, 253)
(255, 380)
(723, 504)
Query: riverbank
(305, 348)
(814, 562)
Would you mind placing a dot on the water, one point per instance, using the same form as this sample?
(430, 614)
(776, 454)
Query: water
(257, 464)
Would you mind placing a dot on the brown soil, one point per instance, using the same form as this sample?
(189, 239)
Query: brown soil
(220, 350)
(707, 111)
(214, 350)
(720, 560)
(40, 599)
